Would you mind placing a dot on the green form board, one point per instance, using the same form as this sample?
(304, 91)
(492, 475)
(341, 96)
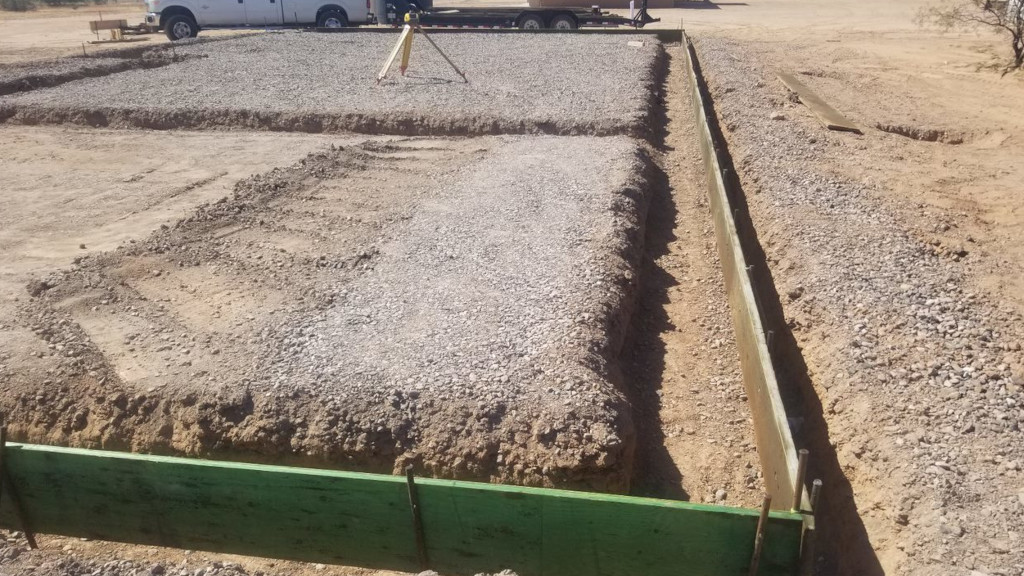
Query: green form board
(365, 520)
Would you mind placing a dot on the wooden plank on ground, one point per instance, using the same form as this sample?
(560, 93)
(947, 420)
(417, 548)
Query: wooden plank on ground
(828, 115)
(364, 519)
(97, 25)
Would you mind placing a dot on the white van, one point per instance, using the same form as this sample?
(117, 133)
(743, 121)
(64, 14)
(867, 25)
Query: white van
(185, 18)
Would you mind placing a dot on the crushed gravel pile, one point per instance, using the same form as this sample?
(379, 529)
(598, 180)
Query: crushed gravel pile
(304, 81)
(24, 77)
(454, 304)
(919, 376)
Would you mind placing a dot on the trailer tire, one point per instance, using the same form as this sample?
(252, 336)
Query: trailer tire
(332, 18)
(531, 22)
(564, 22)
(179, 27)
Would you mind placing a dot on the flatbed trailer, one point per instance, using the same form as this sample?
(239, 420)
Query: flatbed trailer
(526, 18)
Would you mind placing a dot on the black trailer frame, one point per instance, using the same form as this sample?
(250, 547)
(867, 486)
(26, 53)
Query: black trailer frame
(560, 18)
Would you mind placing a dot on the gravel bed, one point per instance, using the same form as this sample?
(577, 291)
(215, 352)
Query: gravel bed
(454, 304)
(24, 77)
(920, 377)
(304, 81)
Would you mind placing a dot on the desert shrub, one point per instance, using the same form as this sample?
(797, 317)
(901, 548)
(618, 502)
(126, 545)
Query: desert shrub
(17, 5)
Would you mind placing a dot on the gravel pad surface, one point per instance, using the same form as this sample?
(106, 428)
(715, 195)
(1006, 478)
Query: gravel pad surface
(518, 83)
(455, 304)
(24, 77)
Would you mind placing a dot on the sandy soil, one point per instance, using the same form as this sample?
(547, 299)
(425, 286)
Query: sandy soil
(57, 32)
(71, 193)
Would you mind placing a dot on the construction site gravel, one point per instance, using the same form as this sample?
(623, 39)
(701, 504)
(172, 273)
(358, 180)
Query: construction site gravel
(26, 76)
(424, 302)
(313, 82)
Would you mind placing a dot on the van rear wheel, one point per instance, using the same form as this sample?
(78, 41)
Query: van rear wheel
(179, 27)
(332, 19)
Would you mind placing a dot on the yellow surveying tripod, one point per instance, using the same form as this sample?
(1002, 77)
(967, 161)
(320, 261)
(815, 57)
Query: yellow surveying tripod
(412, 25)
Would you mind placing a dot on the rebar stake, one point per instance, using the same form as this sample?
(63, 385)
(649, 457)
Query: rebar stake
(755, 559)
(417, 519)
(815, 494)
(801, 474)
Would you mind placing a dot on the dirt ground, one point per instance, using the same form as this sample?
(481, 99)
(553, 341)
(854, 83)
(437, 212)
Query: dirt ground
(57, 32)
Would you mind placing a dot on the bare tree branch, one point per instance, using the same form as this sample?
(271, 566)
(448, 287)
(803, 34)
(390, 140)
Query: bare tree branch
(1006, 16)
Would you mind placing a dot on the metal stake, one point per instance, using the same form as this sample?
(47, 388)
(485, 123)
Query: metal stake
(755, 559)
(5, 480)
(417, 520)
(801, 474)
(815, 493)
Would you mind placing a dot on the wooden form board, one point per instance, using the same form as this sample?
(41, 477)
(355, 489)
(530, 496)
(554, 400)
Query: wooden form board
(97, 25)
(828, 115)
(365, 519)
(775, 447)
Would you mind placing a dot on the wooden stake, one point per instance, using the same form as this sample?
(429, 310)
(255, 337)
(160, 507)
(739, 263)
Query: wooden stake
(755, 559)
(5, 480)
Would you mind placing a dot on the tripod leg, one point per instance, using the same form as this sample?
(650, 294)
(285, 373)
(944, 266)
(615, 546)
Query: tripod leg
(443, 55)
(394, 53)
(406, 51)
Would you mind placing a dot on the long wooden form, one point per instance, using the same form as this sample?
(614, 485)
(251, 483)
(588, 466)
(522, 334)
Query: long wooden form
(365, 520)
(827, 115)
(775, 446)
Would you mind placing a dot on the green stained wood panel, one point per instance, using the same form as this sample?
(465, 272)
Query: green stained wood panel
(562, 533)
(365, 520)
(279, 512)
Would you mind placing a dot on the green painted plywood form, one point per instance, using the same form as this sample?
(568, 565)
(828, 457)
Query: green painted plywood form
(365, 519)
